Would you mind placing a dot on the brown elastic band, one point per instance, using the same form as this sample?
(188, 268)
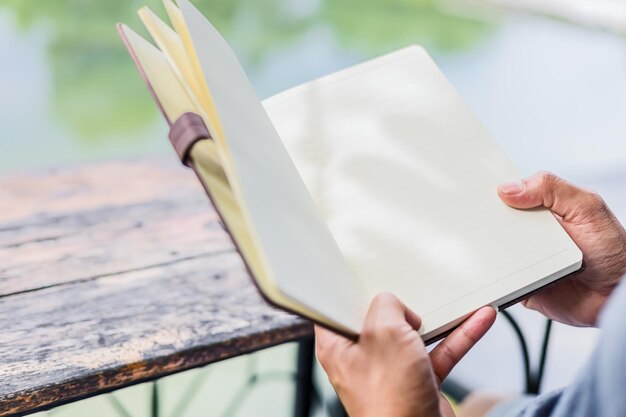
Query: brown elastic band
(185, 132)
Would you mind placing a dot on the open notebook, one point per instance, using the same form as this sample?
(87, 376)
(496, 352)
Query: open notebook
(375, 178)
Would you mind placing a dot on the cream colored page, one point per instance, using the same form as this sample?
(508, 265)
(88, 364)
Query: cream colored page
(173, 49)
(406, 178)
(298, 249)
(171, 96)
(205, 159)
(194, 69)
(174, 101)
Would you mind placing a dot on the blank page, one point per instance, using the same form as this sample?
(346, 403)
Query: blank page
(406, 179)
(296, 246)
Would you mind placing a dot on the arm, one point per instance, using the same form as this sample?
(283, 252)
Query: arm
(599, 388)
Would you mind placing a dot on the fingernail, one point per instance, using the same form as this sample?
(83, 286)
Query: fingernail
(511, 187)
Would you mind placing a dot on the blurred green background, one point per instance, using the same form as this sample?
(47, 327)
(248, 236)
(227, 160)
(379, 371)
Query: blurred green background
(70, 93)
(552, 93)
(83, 90)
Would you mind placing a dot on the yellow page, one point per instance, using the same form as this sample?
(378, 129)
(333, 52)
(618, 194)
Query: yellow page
(405, 177)
(164, 86)
(173, 49)
(297, 248)
(173, 100)
(206, 101)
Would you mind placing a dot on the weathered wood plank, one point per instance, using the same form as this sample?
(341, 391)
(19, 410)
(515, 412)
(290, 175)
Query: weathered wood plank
(83, 187)
(93, 221)
(81, 339)
(117, 273)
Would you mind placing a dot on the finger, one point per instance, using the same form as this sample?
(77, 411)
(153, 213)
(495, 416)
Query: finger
(547, 190)
(386, 310)
(328, 343)
(577, 308)
(412, 318)
(325, 338)
(449, 352)
(535, 302)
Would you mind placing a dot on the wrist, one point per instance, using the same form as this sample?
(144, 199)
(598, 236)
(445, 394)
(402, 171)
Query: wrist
(399, 409)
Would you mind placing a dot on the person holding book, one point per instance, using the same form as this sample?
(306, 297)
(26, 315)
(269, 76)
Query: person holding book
(351, 184)
(388, 372)
(379, 178)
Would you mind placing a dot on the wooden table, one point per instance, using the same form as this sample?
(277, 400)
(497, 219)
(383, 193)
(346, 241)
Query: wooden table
(114, 274)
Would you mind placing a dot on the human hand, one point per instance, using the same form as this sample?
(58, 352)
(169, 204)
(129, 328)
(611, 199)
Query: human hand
(583, 214)
(388, 372)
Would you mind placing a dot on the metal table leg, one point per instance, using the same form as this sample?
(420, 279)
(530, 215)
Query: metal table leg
(305, 391)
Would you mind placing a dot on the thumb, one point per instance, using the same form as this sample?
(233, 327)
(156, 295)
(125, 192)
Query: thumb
(545, 189)
(451, 350)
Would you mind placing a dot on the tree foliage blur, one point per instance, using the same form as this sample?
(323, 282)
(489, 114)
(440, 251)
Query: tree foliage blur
(97, 92)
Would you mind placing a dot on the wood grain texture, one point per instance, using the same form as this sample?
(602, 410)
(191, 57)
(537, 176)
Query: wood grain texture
(115, 274)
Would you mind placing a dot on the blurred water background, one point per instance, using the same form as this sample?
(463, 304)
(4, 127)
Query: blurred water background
(548, 82)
